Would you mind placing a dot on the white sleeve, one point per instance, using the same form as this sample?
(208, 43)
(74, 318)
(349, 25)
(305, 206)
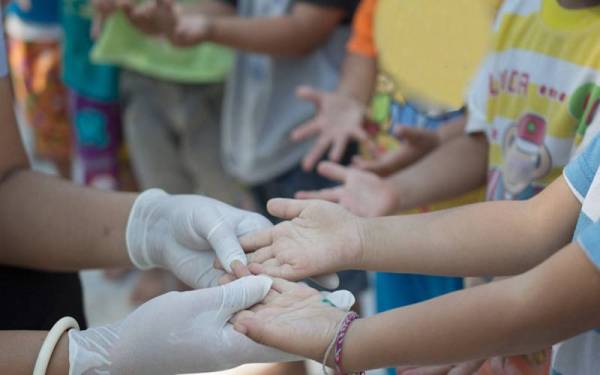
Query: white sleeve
(477, 98)
(3, 64)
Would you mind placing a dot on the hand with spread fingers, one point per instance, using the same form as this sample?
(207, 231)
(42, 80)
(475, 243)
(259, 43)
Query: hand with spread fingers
(363, 193)
(298, 311)
(319, 238)
(338, 121)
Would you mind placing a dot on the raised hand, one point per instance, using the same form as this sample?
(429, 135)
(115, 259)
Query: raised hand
(154, 17)
(319, 239)
(338, 120)
(416, 143)
(293, 318)
(363, 193)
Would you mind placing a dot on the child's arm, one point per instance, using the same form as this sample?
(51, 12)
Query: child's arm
(487, 239)
(502, 318)
(295, 35)
(552, 302)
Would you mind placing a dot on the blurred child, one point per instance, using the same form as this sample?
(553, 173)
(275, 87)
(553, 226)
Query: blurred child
(171, 101)
(34, 39)
(416, 100)
(533, 103)
(94, 105)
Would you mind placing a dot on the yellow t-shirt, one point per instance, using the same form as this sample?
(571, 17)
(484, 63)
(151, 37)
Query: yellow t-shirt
(427, 51)
(537, 94)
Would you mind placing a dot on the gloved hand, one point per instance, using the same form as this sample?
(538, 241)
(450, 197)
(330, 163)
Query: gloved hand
(177, 232)
(178, 332)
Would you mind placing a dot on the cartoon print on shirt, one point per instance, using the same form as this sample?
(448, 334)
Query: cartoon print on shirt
(526, 159)
(583, 105)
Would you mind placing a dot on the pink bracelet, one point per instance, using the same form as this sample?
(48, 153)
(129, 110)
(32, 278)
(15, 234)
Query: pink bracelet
(339, 341)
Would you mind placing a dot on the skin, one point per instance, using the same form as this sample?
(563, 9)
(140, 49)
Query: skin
(323, 237)
(340, 114)
(50, 224)
(367, 194)
(298, 34)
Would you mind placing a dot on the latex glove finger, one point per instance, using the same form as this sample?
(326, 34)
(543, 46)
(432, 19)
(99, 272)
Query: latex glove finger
(194, 268)
(224, 240)
(244, 293)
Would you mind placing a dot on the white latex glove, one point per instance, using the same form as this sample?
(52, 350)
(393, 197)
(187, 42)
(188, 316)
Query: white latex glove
(178, 332)
(176, 232)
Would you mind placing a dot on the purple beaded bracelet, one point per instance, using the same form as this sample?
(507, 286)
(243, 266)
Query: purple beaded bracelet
(339, 341)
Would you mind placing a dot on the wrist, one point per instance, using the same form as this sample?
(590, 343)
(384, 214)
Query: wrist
(352, 343)
(59, 362)
(356, 258)
(139, 225)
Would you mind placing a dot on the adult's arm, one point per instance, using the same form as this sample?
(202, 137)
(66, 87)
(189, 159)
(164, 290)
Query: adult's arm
(49, 223)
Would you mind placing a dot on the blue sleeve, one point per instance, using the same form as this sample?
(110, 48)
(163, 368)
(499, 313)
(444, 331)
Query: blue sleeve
(580, 172)
(589, 240)
(3, 61)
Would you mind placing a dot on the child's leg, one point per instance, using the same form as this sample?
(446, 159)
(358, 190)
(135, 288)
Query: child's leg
(149, 107)
(201, 143)
(41, 95)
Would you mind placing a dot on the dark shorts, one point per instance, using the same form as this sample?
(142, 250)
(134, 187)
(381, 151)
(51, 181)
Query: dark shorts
(35, 300)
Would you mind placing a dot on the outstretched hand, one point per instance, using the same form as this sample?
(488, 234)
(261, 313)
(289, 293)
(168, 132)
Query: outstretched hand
(319, 238)
(296, 311)
(363, 193)
(338, 120)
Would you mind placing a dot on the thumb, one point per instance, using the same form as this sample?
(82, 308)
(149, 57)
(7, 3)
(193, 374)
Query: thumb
(244, 293)
(410, 134)
(310, 94)
(224, 240)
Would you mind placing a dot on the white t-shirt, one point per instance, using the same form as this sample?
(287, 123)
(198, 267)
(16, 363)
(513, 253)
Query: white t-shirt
(3, 65)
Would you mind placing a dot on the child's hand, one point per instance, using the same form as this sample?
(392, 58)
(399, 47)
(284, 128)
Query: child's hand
(338, 121)
(293, 317)
(191, 30)
(363, 193)
(321, 238)
(153, 17)
(416, 143)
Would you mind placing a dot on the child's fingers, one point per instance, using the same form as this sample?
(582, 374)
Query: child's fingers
(257, 240)
(338, 148)
(333, 171)
(261, 255)
(306, 130)
(287, 209)
(331, 194)
(316, 153)
(283, 286)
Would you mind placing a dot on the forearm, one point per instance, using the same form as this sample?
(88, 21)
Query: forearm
(455, 168)
(208, 7)
(19, 350)
(358, 77)
(459, 326)
(50, 224)
(305, 29)
(452, 129)
(486, 239)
